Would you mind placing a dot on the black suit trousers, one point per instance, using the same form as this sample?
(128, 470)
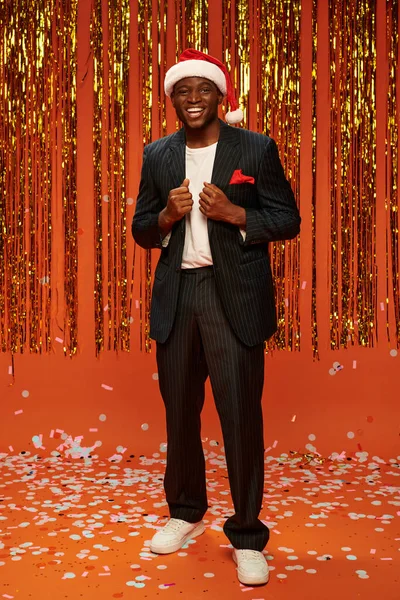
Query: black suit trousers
(202, 344)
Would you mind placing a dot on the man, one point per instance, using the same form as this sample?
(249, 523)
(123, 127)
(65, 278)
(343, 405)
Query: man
(212, 197)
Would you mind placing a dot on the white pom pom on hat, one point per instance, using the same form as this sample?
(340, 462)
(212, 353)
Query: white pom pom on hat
(193, 63)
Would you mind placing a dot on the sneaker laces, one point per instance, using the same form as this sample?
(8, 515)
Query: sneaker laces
(251, 555)
(173, 525)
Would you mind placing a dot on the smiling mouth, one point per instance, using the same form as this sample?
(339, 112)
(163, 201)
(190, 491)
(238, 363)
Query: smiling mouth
(194, 112)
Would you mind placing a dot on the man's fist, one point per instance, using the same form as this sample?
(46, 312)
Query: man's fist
(215, 205)
(179, 203)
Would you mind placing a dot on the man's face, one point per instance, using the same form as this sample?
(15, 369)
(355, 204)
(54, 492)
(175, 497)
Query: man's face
(196, 101)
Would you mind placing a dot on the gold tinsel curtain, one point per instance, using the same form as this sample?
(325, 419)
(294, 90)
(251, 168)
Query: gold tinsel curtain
(132, 43)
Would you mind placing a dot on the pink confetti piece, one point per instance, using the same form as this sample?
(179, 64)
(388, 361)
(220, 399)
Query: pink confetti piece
(60, 430)
(137, 303)
(274, 445)
(268, 449)
(104, 574)
(7, 596)
(382, 306)
(386, 558)
(93, 429)
(372, 551)
(276, 531)
(11, 449)
(106, 568)
(107, 387)
(286, 301)
(85, 574)
(59, 340)
(18, 412)
(293, 418)
(105, 308)
(52, 433)
(354, 364)
(304, 285)
(10, 370)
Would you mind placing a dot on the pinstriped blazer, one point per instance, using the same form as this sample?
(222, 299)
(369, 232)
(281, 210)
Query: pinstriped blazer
(242, 267)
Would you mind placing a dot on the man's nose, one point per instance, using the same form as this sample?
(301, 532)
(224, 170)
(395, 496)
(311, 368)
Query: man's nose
(194, 96)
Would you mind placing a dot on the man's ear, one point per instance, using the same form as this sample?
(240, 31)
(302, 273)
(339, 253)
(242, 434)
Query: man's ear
(220, 98)
(172, 99)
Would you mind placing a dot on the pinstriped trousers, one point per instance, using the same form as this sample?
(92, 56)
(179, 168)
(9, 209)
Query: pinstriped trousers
(202, 344)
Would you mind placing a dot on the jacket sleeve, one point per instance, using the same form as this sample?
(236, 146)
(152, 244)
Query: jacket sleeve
(278, 217)
(145, 229)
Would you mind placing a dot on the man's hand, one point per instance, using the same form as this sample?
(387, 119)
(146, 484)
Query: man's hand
(215, 205)
(179, 203)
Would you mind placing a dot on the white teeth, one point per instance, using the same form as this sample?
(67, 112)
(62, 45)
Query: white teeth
(194, 110)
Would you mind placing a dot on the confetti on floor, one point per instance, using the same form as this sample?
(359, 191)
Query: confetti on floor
(81, 527)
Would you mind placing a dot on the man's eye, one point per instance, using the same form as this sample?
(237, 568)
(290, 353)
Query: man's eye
(205, 90)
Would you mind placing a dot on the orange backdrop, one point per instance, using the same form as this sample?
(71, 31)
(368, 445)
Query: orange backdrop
(328, 394)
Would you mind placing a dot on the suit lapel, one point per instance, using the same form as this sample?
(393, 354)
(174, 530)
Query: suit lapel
(176, 158)
(227, 158)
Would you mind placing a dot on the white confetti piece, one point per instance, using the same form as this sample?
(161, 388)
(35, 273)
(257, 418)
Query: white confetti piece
(106, 198)
(107, 387)
(293, 418)
(303, 287)
(274, 445)
(145, 426)
(105, 309)
(393, 353)
(59, 340)
(18, 412)
(25, 394)
(129, 201)
(102, 417)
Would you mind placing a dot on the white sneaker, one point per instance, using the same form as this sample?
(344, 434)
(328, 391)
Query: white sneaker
(174, 535)
(252, 568)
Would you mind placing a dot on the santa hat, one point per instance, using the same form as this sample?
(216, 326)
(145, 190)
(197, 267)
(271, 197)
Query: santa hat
(193, 63)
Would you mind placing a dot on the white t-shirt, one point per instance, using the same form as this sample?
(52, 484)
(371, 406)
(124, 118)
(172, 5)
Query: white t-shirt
(199, 168)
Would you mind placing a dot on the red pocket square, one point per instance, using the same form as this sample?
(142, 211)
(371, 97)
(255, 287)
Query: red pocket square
(238, 177)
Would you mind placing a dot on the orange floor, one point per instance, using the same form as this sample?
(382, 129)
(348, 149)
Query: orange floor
(79, 527)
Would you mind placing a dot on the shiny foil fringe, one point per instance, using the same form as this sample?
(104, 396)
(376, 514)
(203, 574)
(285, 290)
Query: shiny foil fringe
(110, 48)
(353, 174)
(38, 175)
(260, 45)
(392, 173)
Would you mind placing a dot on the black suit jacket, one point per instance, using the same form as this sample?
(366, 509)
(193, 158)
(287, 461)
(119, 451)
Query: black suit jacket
(242, 268)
